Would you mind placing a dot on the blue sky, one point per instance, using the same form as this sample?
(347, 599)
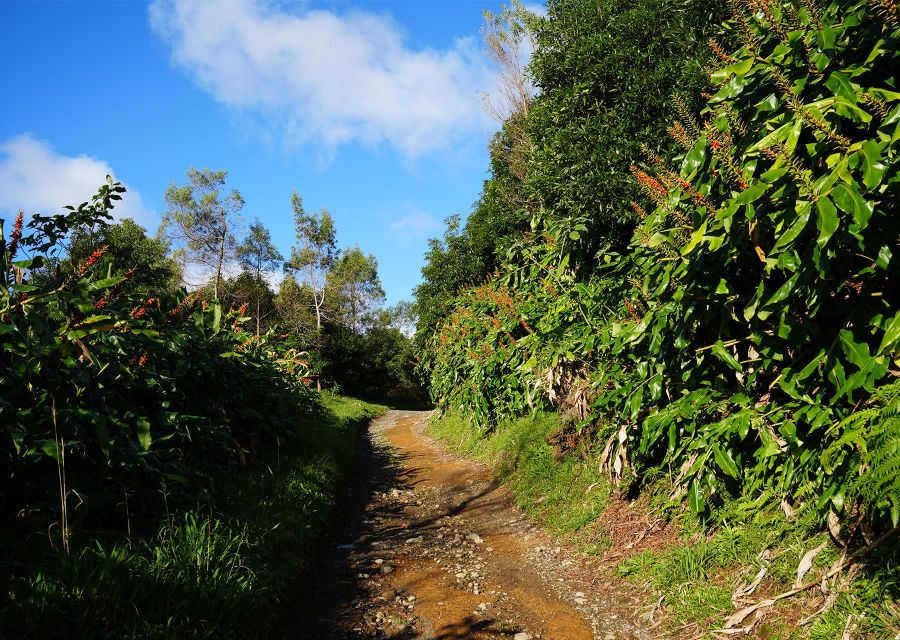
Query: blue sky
(370, 110)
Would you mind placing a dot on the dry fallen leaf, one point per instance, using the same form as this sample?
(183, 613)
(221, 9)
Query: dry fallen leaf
(806, 563)
(738, 617)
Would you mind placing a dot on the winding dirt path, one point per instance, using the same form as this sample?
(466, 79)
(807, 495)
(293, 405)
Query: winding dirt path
(434, 549)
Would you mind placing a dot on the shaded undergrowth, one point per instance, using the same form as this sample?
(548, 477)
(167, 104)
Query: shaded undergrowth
(214, 569)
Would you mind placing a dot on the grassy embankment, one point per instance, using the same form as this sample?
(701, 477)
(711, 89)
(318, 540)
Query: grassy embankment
(215, 570)
(700, 565)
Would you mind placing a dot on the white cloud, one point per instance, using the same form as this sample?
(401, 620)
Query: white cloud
(36, 179)
(417, 224)
(327, 78)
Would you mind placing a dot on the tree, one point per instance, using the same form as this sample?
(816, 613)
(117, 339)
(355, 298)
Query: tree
(606, 72)
(258, 254)
(313, 255)
(129, 247)
(202, 220)
(355, 278)
(292, 305)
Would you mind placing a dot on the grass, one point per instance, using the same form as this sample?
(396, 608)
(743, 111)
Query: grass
(698, 574)
(215, 570)
(565, 494)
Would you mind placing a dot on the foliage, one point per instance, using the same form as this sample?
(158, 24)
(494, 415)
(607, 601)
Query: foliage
(605, 71)
(358, 289)
(756, 307)
(202, 220)
(314, 254)
(215, 571)
(128, 247)
(258, 256)
(108, 396)
(378, 364)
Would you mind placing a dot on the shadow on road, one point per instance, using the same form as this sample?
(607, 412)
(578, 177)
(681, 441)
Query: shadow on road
(327, 601)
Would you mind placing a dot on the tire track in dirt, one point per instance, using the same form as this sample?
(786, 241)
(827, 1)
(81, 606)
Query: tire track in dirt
(434, 548)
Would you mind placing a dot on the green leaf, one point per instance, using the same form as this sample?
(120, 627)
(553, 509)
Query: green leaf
(840, 85)
(891, 336)
(873, 167)
(850, 201)
(856, 352)
(725, 462)
(796, 228)
(143, 433)
(725, 356)
(828, 220)
(695, 497)
(752, 193)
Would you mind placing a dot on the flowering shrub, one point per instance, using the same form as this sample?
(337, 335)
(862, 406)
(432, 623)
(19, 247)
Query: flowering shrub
(757, 306)
(107, 398)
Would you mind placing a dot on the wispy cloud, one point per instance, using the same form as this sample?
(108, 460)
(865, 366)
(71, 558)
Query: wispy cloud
(415, 225)
(327, 78)
(36, 179)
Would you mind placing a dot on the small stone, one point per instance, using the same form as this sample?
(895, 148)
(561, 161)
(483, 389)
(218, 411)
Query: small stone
(379, 561)
(386, 568)
(414, 540)
(474, 537)
(522, 636)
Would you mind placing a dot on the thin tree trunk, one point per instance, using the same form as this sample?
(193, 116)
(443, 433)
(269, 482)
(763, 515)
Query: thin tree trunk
(353, 306)
(221, 257)
(258, 295)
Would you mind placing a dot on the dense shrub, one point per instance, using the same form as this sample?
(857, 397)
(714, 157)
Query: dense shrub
(756, 308)
(109, 396)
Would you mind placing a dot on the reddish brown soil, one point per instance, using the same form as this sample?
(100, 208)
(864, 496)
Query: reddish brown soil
(441, 552)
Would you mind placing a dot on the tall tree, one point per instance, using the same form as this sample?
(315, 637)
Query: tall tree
(258, 254)
(355, 278)
(202, 220)
(314, 253)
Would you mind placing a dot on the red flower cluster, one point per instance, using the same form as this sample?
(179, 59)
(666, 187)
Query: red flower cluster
(141, 311)
(16, 236)
(115, 291)
(632, 311)
(91, 261)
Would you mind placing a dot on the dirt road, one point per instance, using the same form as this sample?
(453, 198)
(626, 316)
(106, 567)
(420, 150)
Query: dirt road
(434, 549)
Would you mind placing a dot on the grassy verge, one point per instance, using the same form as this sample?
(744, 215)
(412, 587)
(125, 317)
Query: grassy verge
(563, 494)
(698, 572)
(215, 570)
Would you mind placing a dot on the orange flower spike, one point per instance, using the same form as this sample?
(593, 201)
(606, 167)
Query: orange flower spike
(638, 210)
(92, 260)
(631, 310)
(141, 311)
(16, 236)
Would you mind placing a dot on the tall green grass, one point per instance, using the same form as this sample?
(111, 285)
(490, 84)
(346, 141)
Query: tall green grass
(215, 570)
